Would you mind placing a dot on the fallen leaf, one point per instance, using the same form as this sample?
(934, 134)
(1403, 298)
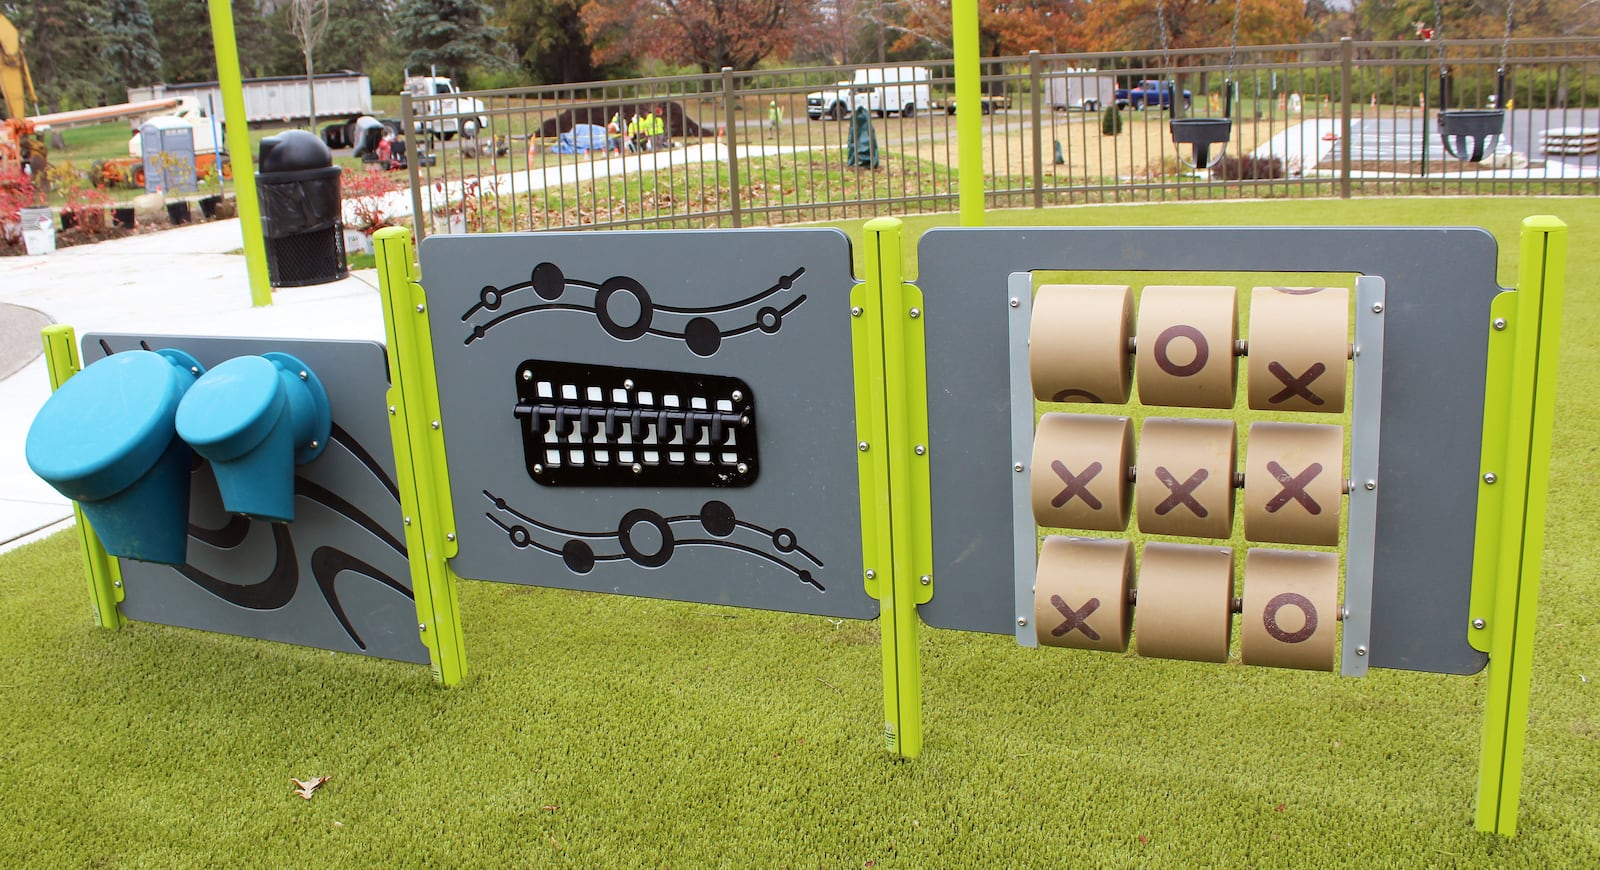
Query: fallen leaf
(307, 788)
(1279, 808)
(1143, 839)
(550, 808)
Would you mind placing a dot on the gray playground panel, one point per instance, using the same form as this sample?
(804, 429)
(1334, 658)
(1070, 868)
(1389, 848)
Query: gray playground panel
(1440, 283)
(800, 375)
(345, 551)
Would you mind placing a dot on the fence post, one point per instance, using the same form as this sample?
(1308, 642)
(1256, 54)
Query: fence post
(420, 222)
(1038, 130)
(1347, 55)
(729, 101)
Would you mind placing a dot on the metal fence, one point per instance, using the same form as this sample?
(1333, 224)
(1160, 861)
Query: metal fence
(745, 148)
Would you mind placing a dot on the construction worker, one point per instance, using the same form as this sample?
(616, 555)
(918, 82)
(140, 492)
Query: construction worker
(774, 118)
(614, 129)
(658, 131)
(635, 143)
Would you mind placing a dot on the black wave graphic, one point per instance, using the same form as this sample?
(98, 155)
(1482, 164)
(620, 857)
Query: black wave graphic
(327, 563)
(271, 593)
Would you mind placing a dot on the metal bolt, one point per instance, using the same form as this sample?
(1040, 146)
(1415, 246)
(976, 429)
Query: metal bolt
(1017, 468)
(637, 468)
(408, 521)
(194, 370)
(863, 446)
(744, 421)
(871, 574)
(1499, 323)
(313, 445)
(449, 536)
(117, 583)
(538, 468)
(1015, 302)
(527, 375)
(926, 580)
(1480, 623)
(1361, 650)
(304, 375)
(920, 450)
(737, 396)
(1490, 478)
(1371, 485)
(421, 308)
(1344, 613)
(1377, 308)
(422, 626)
(1021, 620)
(855, 311)
(434, 424)
(391, 410)
(742, 468)
(627, 384)
(915, 313)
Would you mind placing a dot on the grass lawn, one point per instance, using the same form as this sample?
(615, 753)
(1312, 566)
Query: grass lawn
(600, 731)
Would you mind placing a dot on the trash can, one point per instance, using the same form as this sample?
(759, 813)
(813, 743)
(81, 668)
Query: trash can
(300, 212)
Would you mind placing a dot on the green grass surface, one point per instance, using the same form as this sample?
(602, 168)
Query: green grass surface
(600, 731)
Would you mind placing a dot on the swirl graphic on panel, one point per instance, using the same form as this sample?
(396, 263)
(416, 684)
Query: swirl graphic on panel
(649, 540)
(699, 329)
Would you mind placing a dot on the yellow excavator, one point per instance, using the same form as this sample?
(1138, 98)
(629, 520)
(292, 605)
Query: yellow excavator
(17, 143)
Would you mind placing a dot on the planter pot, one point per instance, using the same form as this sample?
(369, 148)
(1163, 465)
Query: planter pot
(122, 217)
(69, 219)
(178, 212)
(38, 230)
(357, 242)
(208, 205)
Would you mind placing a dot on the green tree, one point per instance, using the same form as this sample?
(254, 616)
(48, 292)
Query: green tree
(549, 40)
(183, 33)
(131, 54)
(452, 35)
(63, 40)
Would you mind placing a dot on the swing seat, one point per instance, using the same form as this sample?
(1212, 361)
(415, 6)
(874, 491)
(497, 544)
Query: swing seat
(1201, 134)
(1466, 132)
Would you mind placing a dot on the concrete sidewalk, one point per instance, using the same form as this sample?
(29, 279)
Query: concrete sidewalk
(181, 281)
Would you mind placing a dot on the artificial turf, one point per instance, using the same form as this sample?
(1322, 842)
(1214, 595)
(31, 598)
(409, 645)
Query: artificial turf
(599, 731)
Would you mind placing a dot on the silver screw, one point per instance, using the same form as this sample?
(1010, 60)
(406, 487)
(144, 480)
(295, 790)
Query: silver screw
(737, 396)
(1361, 650)
(1490, 478)
(871, 574)
(422, 626)
(1371, 485)
(1377, 308)
(915, 313)
(627, 384)
(1017, 468)
(1344, 613)
(855, 311)
(863, 446)
(313, 445)
(449, 536)
(1022, 620)
(538, 468)
(1480, 623)
(926, 580)
(637, 468)
(1015, 302)
(408, 521)
(744, 421)
(920, 450)
(194, 370)
(391, 410)
(117, 583)
(304, 375)
(742, 468)
(527, 375)
(421, 308)
(1499, 323)
(435, 424)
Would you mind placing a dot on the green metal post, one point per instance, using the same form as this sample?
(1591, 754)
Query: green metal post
(419, 454)
(105, 579)
(231, 83)
(1514, 485)
(969, 110)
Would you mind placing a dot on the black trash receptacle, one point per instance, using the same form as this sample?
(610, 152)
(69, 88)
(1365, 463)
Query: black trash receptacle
(300, 211)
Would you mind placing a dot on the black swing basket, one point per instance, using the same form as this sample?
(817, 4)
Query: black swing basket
(1201, 134)
(1466, 132)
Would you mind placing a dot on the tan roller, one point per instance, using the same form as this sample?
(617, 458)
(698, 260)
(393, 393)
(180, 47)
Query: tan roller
(1080, 471)
(1185, 477)
(1186, 339)
(1185, 602)
(1299, 348)
(1080, 597)
(1290, 609)
(1078, 343)
(1294, 483)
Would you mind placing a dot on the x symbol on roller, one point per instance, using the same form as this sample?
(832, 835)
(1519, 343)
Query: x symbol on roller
(1075, 618)
(1294, 487)
(1076, 485)
(1293, 386)
(1181, 492)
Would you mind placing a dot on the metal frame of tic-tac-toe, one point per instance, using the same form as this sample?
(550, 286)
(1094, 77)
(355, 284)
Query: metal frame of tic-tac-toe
(731, 417)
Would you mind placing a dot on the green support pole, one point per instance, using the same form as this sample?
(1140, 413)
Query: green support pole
(419, 454)
(237, 135)
(1519, 417)
(891, 419)
(105, 579)
(969, 114)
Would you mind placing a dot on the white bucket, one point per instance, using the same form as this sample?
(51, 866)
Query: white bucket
(38, 230)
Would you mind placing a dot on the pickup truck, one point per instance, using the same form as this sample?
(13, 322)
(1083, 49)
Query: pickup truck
(1150, 92)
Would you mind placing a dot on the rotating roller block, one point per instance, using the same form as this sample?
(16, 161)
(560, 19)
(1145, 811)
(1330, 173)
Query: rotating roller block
(1078, 343)
(1290, 609)
(1293, 483)
(1185, 476)
(1080, 472)
(1185, 346)
(1185, 602)
(1299, 348)
(1080, 597)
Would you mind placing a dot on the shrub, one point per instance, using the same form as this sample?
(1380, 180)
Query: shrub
(1247, 167)
(367, 192)
(1110, 120)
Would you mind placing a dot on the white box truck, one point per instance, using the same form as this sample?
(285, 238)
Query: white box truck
(446, 111)
(896, 90)
(1085, 89)
(343, 94)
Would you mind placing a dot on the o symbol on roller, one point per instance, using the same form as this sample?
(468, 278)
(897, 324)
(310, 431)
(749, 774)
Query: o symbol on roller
(633, 519)
(602, 308)
(1202, 351)
(1269, 617)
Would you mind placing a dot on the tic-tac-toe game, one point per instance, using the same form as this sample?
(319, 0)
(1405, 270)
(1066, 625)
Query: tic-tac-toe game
(1052, 434)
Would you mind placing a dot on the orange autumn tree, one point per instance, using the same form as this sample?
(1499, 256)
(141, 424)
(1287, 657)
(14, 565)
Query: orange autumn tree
(1132, 25)
(1006, 27)
(710, 34)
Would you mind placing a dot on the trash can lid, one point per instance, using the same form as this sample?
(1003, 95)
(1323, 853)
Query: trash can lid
(232, 408)
(106, 426)
(294, 150)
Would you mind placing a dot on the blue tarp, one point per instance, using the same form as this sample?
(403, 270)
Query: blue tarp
(582, 137)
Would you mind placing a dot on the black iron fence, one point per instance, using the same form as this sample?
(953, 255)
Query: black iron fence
(744, 148)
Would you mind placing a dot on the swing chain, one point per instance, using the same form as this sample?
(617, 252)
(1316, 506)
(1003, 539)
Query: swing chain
(1438, 34)
(1505, 41)
(1233, 46)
